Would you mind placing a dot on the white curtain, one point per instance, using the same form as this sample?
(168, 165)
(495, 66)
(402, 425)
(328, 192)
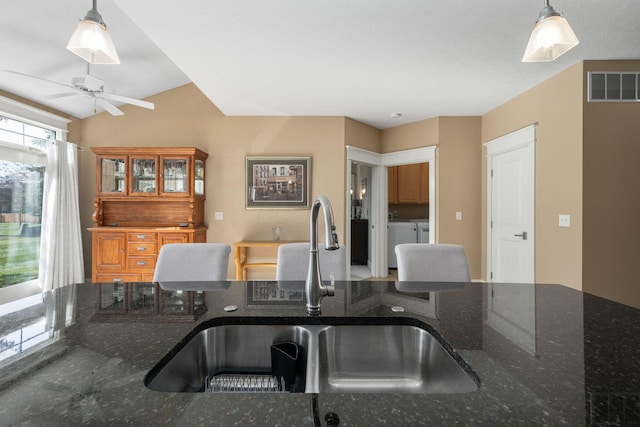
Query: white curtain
(61, 261)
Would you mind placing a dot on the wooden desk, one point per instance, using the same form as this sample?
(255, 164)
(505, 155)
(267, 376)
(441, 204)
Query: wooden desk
(240, 255)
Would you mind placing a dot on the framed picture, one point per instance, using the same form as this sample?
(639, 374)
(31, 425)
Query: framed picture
(278, 182)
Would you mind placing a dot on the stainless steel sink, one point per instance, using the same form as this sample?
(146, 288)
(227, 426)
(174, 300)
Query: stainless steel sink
(342, 355)
(388, 358)
(222, 349)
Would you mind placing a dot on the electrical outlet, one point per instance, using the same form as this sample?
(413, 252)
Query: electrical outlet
(458, 216)
(564, 220)
(219, 216)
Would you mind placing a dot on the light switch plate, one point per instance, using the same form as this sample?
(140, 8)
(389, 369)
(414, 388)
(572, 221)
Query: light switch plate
(564, 220)
(458, 216)
(219, 216)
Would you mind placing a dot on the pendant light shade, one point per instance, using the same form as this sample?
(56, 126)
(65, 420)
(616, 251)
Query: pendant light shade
(551, 37)
(91, 40)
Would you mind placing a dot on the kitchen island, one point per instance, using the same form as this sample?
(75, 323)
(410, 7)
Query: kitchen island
(544, 354)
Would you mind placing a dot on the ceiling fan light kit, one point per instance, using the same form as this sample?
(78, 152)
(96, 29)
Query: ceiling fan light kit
(551, 37)
(91, 40)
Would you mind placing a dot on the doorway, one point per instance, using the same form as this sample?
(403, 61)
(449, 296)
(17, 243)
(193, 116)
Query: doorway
(360, 202)
(511, 207)
(377, 192)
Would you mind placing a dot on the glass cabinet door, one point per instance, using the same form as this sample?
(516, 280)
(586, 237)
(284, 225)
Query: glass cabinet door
(199, 178)
(113, 175)
(176, 174)
(143, 176)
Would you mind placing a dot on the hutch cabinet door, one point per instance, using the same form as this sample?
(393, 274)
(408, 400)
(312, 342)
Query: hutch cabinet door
(144, 176)
(175, 176)
(198, 177)
(112, 175)
(109, 250)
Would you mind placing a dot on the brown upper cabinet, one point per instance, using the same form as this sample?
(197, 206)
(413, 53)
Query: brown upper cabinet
(149, 186)
(392, 180)
(409, 184)
(144, 172)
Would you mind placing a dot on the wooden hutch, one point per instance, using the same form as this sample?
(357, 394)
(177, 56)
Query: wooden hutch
(145, 198)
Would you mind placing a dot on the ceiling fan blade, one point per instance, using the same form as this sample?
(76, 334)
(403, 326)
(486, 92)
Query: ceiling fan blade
(38, 78)
(59, 95)
(132, 101)
(112, 109)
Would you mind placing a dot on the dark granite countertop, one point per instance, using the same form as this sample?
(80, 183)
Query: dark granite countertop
(545, 355)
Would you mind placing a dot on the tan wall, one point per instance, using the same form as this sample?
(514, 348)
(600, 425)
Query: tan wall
(185, 117)
(413, 135)
(556, 106)
(363, 136)
(457, 170)
(611, 264)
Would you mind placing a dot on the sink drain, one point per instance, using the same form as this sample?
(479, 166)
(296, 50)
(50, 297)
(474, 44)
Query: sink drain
(331, 419)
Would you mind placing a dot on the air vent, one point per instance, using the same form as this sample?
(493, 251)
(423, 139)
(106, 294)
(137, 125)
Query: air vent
(614, 87)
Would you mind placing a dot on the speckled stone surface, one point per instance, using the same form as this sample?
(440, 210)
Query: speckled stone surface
(545, 355)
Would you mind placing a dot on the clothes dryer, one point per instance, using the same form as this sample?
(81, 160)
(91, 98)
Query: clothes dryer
(422, 226)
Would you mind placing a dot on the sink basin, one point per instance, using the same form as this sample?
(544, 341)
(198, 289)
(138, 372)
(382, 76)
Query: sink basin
(341, 355)
(221, 349)
(398, 358)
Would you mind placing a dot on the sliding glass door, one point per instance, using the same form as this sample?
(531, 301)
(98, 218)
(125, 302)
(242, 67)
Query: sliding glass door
(21, 187)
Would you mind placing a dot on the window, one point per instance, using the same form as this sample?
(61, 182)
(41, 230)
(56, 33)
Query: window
(21, 186)
(25, 134)
(24, 131)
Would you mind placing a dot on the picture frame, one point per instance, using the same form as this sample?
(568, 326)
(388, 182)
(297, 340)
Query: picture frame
(261, 293)
(277, 182)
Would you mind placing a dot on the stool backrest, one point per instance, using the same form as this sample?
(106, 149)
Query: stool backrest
(293, 262)
(430, 262)
(192, 262)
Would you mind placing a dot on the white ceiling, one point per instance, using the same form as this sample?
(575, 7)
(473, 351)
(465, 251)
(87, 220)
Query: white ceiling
(363, 59)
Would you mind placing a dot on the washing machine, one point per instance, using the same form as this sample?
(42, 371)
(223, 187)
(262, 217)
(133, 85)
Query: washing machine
(399, 232)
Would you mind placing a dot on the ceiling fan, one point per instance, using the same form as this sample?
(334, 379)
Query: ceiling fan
(93, 87)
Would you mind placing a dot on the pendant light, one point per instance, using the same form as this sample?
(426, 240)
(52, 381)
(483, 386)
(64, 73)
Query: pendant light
(551, 37)
(91, 40)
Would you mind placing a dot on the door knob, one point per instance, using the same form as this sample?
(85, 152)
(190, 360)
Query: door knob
(523, 235)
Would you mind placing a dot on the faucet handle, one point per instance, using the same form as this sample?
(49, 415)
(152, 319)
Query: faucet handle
(331, 290)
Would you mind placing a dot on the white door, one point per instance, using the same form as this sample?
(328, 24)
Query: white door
(511, 192)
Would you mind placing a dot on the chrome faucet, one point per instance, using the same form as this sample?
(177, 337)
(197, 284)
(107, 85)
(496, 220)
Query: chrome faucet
(314, 288)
